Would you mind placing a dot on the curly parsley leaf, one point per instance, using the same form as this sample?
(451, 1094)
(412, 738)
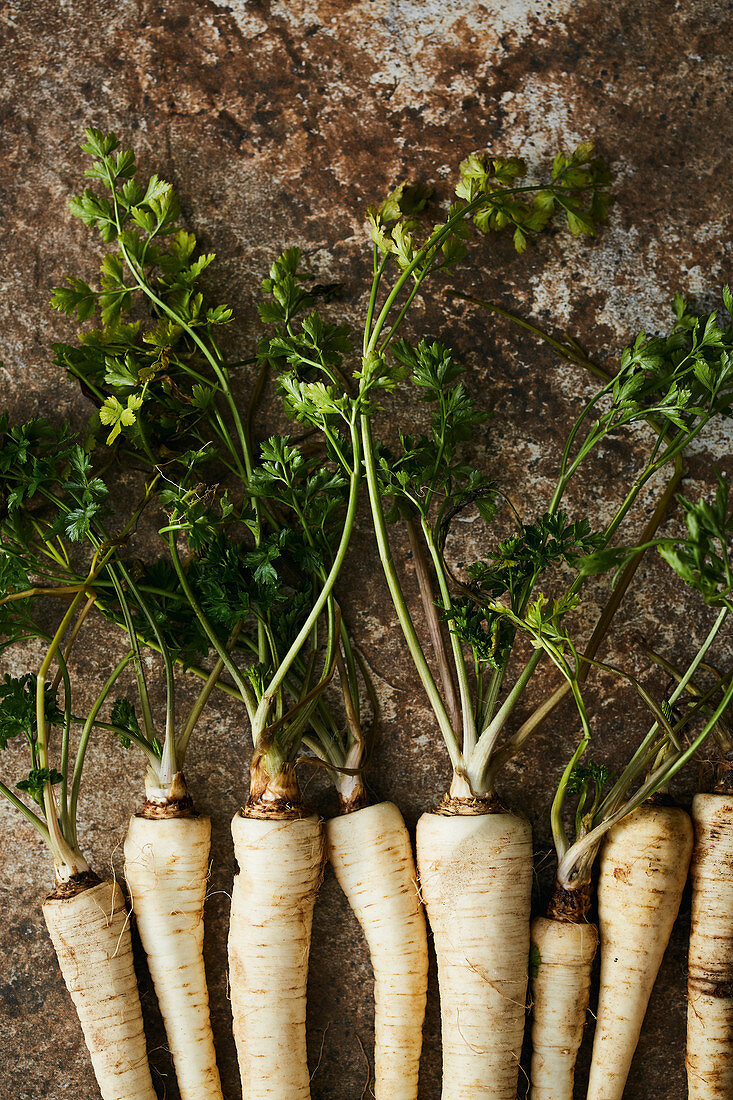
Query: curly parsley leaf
(703, 559)
(36, 781)
(18, 709)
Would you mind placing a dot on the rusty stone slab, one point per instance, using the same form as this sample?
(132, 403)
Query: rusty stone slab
(278, 123)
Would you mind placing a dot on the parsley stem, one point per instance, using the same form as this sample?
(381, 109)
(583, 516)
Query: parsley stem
(244, 690)
(559, 834)
(142, 687)
(350, 664)
(478, 765)
(495, 685)
(34, 819)
(84, 739)
(398, 599)
(66, 859)
(72, 638)
(401, 315)
(202, 699)
(684, 680)
(378, 272)
(65, 732)
(435, 627)
(469, 722)
(545, 709)
(260, 718)
(572, 353)
(420, 256)
(169, 751)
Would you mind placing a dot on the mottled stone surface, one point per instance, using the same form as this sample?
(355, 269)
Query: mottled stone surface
(279, 122)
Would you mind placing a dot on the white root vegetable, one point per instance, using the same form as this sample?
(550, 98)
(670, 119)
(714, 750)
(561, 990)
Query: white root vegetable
(280, 862)
(710, 982)
(476, 877)
(371, 855)
(166, 867)
(644, 864)
(91, 934)
(562, 965)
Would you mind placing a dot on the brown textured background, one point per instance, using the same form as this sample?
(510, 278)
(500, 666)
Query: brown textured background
(278, 122)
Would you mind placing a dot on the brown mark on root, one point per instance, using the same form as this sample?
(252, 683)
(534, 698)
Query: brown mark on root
(469, 807)
(174, 807)
(171, 800)
(77, 884)
(570, 906)
(278, 809)
(359, 800)
(273, 796)
(707, 988)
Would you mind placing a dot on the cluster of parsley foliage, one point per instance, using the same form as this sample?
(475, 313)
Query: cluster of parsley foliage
(675, 384)
(254, 532)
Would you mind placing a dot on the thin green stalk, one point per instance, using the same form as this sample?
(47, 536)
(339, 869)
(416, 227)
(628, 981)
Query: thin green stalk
(378, 272)
(202, 700)
(492, 696)
(64, 855)
(434, 625)
(170, 686)
(319, 748)
(431, 244)
(469, 721)
(559, 835)
(398, 599)
(136, 738)
(350, 668)
(72, 637)
(574, 354)
(722, 733)
(34, 819)
(617, 788)
(580, 852)
(402, 314)
(568, 468)
(260, 718)
(244, 689)
(84, 739)
(64, 758)
(481, 757)
(142, 687)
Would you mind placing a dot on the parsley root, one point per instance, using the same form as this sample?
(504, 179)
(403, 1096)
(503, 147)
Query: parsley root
(166, 868)
(476, 880)
(643, 870)
(90, 931)
(709, 1001)
(371, 855)
(280, 860)
(562, 957)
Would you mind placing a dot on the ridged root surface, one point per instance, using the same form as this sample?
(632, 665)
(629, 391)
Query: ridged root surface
(280, 863)
(475, 878)
(166, 867)
(562, 965)
(710, 982)
(643, 871)
(91, 935)
(371, 855)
